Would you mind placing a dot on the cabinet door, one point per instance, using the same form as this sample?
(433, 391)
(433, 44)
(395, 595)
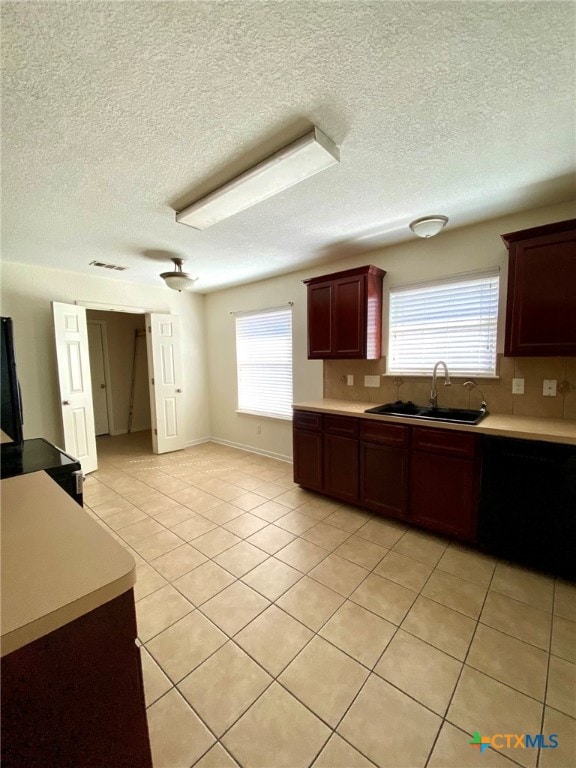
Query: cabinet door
(541, 310)
(341, 467)
(349, 317)
(444, 494)
(384, 479)
(308, 459)
(320, 320)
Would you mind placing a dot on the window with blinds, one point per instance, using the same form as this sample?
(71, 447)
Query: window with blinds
(453, 320)
(264, 362)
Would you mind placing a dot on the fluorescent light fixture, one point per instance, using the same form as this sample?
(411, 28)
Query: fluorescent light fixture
(303, 158)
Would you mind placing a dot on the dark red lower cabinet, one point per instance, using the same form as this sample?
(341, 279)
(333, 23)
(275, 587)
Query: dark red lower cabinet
(308, 471)
(74, 698)
(427, 476)
(445, 481)
(384, 479)
(341, 467)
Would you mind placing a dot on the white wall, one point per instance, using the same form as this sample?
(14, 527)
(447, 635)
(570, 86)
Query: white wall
(120, 329)
(452, 252)
(26, 295)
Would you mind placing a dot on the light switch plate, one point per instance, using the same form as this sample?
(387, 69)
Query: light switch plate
(517, 386)
(549, 387)
(350, 380)
(371, 381)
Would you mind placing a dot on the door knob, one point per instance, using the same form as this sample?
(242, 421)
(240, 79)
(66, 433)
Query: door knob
(65, 402)
(178, 390)
(102, 386)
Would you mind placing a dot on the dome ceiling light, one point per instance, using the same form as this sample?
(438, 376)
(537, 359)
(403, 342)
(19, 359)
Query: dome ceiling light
(178, 280)
(428, 226)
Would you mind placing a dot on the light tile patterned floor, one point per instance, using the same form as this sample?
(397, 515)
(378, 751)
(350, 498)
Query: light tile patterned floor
(283, 630)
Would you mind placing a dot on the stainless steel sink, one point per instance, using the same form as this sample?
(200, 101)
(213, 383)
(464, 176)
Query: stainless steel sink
(412, 411)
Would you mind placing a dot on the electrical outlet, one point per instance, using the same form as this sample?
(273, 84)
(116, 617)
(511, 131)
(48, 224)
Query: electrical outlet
(549, 388)
(371, 381)
(517, 386)
(350, 380)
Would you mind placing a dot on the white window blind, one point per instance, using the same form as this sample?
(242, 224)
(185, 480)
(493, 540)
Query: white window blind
(264, 360)
(453, 320)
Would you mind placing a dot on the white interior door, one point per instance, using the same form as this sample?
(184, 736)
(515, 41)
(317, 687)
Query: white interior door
(165, 371)
(73, 361)
(98, 379)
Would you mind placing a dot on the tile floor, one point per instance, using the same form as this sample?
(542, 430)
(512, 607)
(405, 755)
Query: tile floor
(281, 629)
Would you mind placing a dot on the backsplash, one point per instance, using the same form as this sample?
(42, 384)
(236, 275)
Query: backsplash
(498, 393)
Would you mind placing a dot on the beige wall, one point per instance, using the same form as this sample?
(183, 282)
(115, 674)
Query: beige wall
(209, 333)
(240, 429)
(120, 330)
(26, 296)
(452, 252)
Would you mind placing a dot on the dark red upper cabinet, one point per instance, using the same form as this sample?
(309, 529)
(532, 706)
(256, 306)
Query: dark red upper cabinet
(345, 314)
(541, 303)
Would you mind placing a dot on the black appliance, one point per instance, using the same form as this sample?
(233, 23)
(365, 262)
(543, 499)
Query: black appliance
(528, 503)
(11, 418)
(38, 454)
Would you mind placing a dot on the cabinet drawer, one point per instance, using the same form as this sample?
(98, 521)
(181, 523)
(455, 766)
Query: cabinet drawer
(307, 420)
(444, 441)
(345, 426)
(389, 434)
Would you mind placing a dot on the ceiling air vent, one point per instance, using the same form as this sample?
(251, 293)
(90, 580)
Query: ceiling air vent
(107, 266)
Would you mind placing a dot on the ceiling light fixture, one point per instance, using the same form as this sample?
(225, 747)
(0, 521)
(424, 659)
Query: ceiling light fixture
(428, 226)
(297, 161)
(178, 280)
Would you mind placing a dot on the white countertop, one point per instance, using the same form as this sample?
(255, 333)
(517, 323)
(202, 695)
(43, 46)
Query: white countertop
(57, 563)
(522, 427)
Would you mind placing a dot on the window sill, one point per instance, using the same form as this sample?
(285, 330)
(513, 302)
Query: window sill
(262, 414)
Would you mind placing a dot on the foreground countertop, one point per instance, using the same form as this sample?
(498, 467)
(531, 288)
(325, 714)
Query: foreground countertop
(57, 563)
(522, 427)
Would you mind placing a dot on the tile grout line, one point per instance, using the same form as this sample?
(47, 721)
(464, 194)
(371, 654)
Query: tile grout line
(346, 599)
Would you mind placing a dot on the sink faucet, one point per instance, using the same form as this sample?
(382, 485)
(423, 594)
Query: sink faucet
(447, 382)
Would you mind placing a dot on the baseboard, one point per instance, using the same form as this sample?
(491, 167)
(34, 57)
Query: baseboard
(198, 441)
(251, 449)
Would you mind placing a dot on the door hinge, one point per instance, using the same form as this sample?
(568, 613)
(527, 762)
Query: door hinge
(149, 329)
(155, 431)
(152, 380)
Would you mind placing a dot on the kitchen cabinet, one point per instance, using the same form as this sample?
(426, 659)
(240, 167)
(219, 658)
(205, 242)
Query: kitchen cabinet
(384, 463)
(76, 697)
(340, 445)
(429, 477)
(307, 450)
(541, 300)
(71, 678)
(445, 481)
(345, 314)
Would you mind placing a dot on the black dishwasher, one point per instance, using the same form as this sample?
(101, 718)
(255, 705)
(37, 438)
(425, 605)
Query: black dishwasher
(528, 503)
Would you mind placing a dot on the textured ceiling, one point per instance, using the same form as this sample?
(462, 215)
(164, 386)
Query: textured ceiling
(116, 114)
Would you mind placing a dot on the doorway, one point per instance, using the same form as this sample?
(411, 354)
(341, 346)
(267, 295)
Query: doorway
(119, 372)
(163, 412)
